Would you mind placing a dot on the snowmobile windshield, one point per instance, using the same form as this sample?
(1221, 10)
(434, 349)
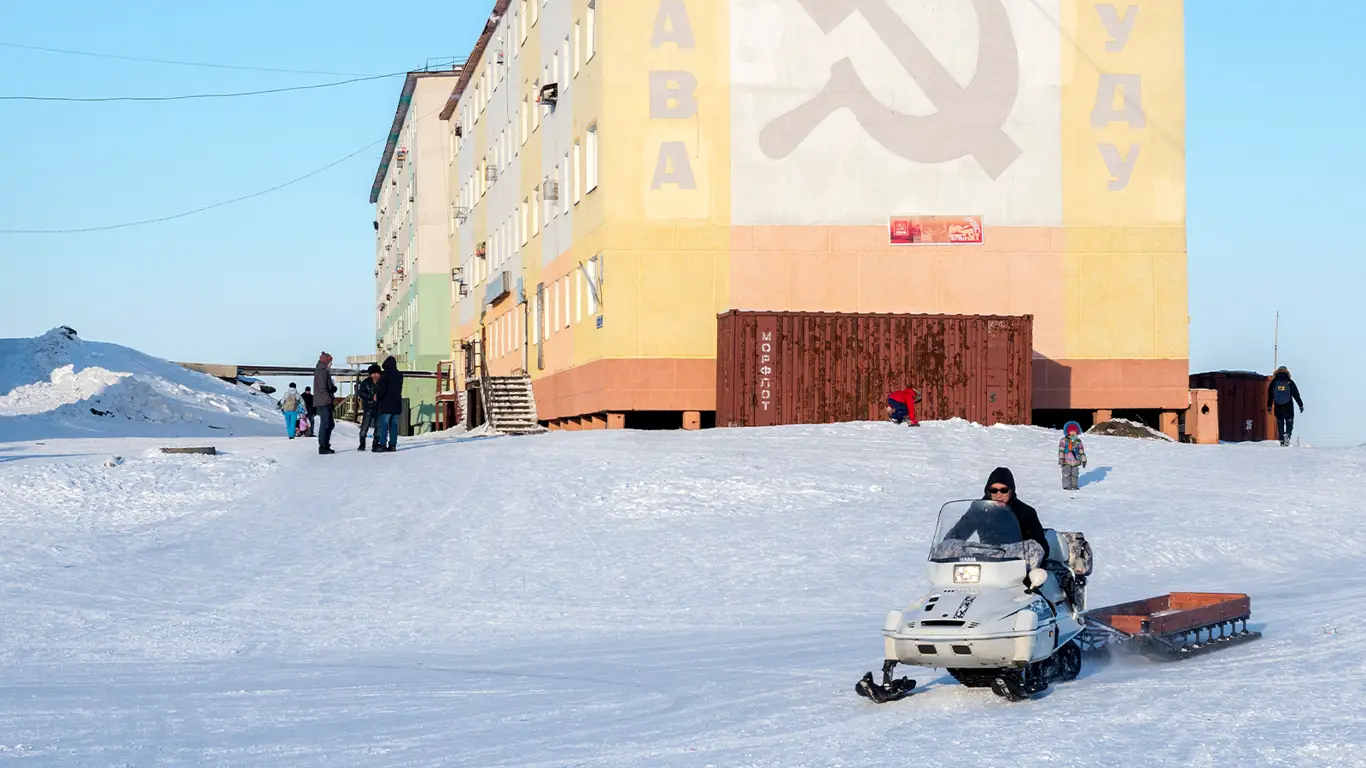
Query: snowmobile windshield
(977, 531)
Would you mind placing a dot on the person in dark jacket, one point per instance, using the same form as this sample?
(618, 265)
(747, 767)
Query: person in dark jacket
(1001, 488)
(369, 405)
(322, 401)
(1281, 398)
(389, 404)
(308, 409)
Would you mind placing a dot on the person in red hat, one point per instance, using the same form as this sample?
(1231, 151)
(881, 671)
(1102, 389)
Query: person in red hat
(901, 406)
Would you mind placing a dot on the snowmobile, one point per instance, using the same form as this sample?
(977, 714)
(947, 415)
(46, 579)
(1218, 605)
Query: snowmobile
(999, 614)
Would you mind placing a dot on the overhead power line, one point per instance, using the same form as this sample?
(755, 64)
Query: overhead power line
(201, 209)
(211, 206)
(187, 96)
(174, 62)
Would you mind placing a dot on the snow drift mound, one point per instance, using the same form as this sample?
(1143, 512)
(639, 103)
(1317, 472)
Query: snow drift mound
(59, 385)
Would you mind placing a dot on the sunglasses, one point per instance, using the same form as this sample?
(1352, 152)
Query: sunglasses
(999, 489)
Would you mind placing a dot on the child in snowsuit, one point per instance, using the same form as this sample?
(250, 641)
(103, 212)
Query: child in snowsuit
(901, 406)
(292, 405)
(1071, 455)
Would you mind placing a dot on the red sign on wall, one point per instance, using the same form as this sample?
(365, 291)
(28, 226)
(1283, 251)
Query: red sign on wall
(936, 230)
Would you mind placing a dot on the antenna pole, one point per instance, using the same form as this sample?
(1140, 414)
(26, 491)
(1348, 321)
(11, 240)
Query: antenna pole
(1276, 351)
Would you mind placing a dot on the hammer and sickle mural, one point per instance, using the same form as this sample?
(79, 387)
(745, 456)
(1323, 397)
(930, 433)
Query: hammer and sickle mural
(968, 120)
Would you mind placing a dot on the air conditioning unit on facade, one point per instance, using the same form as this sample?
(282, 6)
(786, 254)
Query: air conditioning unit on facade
(550, 94)
(464, 289)
(491, 173)
(550, 189)
(481, 251)
(461, 213)
(400, 156)
(458, 274)
(459, 131)
(501, 57)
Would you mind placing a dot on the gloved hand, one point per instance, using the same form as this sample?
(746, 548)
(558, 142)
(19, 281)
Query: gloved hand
(1083, 465)
(1301, 409)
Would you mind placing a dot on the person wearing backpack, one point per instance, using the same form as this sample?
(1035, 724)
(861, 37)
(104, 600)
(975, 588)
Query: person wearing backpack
(292, 405)
(1281, 398)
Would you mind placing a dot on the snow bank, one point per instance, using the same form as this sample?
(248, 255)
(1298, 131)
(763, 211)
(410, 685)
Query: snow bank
(59, 385)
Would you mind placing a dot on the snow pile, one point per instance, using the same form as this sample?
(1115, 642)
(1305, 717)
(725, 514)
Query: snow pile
(59, 385)
(1127, 428)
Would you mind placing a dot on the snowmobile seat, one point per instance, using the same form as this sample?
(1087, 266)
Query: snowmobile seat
(1057, 546)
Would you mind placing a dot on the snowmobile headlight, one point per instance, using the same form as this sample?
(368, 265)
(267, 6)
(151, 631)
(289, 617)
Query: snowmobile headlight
(967, 574)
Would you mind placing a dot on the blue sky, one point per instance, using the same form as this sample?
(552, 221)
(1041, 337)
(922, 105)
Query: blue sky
(1274, 160)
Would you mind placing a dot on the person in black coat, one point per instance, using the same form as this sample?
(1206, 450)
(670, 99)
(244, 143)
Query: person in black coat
(369, 405)
(389, 404)
(1001, 488)
(1281, 398)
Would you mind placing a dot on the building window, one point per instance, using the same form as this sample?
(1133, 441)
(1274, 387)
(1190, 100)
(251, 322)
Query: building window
(521, 18)
(525, 118)
(590, 30)
(523, 213)
(564, 186)
(578, 167)
(536, 211)
(564, 294)
(564, 48)
(591, 159)
(535, 12)
(536, 113)
(552, 210)
(578, 46)
(578, 295)
(593, 286)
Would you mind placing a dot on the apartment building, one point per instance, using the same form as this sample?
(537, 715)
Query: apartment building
(622, 172)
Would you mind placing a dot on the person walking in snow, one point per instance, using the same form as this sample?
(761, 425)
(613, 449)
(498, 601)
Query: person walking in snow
(292, 405)
(389, 404)
(1071, 455)
(369, 404)
(1281, 397)
(901, 406)
(322, 401)
(309, 410)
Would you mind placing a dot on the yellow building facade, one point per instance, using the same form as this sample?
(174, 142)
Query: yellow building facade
(625, 171)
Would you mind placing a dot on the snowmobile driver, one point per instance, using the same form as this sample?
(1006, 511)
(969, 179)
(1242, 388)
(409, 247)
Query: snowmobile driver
(1001, 489)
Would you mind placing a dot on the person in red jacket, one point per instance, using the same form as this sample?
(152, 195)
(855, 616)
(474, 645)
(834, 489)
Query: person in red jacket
(901, 406)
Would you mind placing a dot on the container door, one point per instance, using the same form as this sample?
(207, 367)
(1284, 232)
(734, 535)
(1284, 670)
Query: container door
(766, 371)
(998, 371)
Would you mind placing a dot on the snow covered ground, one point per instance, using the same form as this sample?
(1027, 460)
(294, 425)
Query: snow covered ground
(642, 599)
(59, 385)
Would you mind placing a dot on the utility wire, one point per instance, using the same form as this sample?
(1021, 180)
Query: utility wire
(177, 63)
(186, 96)
(201, 209)
(211, 206)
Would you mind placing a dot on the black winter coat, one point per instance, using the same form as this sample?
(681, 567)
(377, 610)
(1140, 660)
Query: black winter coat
(1030, 527)
(1287, 409)
(389, 391)
(366, 393)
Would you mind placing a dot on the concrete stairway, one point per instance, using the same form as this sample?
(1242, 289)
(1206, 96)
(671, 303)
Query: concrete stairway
(511, 405)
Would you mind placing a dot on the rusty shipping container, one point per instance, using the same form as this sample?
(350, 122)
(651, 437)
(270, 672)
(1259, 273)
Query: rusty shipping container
(822, 367)
(1242, 404)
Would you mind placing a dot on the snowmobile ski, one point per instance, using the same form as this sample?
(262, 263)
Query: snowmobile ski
(888, 690)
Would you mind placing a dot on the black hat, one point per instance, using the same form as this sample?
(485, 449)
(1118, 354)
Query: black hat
(373, 369)
(999, 476)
